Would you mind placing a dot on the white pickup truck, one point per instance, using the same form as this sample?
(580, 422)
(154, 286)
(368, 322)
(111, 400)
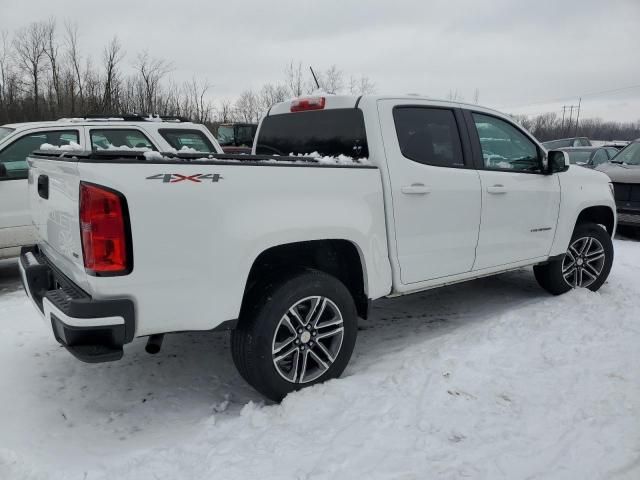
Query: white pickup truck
(288, 252)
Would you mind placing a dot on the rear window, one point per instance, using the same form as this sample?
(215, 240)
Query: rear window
(329, 132)
(187, 139)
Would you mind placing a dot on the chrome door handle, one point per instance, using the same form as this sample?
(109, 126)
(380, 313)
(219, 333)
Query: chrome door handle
(415, 189)
(496, 189)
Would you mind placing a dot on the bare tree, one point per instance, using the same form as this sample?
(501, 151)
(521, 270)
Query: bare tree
(112, 55)
(225, 111)
(74, 58)
(51, 48)
(331, 80)
(248, 106)
(476, 95)
(361, 86)
(151, 71)
(295, 80)
(29, 45)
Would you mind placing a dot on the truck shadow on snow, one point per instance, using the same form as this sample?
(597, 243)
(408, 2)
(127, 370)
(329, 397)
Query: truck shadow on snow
(193, 376)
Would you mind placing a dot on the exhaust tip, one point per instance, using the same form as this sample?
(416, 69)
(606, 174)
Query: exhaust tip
(154, 344)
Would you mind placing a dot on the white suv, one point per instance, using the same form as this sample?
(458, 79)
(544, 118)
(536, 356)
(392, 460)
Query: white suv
(126, 132)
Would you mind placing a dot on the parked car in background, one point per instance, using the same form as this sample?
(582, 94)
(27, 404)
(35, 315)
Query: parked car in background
(236, 137)
(590, 157)
(624, 171)
(91, 133)
(617, 144)
(567, 142)
(408, 194)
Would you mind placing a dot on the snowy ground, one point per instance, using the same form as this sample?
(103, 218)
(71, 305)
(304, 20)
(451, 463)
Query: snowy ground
(489, 379)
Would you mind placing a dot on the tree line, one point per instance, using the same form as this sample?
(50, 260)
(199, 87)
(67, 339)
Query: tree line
(550, 126)
(45, 75)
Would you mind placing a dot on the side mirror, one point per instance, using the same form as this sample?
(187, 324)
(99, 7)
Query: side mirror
(3, 170)
(557, 161)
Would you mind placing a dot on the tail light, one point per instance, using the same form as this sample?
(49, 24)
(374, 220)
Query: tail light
(305, 104)
(104, 228)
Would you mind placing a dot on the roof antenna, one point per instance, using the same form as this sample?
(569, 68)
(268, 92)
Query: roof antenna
(314, 77)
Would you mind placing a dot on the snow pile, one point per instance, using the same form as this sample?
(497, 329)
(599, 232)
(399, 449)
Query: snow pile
(486, 380)
(328, 160)
(72, 146)
(122, 148)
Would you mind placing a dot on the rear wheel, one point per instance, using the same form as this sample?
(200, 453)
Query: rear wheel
(586, 264)
(295, 333)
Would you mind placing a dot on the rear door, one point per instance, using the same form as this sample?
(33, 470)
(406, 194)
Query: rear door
(15, 219)
(520, 204)
(434, 187)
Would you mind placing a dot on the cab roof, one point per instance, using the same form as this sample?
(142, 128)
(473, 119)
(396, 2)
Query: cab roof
(355, 101)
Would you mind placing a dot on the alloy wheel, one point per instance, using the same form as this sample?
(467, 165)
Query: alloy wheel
(584, 262)
(307, 340)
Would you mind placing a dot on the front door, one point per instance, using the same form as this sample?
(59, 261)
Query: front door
(435, 190)
(520, 203)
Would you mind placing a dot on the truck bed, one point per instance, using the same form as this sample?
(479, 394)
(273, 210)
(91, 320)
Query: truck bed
(198, 224)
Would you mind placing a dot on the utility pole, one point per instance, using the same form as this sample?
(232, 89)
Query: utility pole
(578, 114)
(567, 130)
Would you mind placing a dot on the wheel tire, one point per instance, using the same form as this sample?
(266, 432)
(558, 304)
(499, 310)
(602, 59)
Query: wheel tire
(550, 276)
(253, 340)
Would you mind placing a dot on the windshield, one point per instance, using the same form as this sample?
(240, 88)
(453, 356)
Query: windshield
(225, 135)
(629, 155)
(4, 131)
(579, 157)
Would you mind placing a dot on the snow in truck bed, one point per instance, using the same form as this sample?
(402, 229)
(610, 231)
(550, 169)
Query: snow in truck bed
(492, 379)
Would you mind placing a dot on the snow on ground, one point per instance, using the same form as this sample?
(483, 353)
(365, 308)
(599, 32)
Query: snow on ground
(489, 379)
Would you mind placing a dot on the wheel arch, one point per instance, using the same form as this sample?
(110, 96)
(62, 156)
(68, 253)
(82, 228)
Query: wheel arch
(340, 258)
(599, 214)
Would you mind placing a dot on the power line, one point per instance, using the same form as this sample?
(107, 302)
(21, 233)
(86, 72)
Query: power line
(590, 94)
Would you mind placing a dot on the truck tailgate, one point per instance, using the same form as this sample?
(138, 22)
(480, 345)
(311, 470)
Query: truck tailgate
(54, 198)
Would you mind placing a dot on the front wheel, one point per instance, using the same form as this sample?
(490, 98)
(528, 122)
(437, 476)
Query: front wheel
(295, 333)
(586, 264)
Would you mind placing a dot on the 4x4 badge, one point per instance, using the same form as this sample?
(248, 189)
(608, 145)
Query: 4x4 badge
(177, 177)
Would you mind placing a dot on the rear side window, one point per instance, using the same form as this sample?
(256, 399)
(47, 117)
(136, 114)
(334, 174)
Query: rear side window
(329, 132)
(14, 156)
(121, 138)
(429, 136)
(187, 139)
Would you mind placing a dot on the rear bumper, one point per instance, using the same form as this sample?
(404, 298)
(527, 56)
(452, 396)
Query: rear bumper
(93, 331)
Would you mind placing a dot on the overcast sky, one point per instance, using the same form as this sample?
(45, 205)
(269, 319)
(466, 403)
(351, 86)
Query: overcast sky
(524, 56)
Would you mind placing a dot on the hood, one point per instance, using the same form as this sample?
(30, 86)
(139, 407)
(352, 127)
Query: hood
(621, 173)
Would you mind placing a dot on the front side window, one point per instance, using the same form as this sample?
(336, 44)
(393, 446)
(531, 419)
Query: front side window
(187, 140)
(504, 147)
(14, 156)
(120, 139)
(429, 136)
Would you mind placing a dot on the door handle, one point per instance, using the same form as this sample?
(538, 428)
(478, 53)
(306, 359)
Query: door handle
(43, 186)
(496, 189)
(415, 189)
